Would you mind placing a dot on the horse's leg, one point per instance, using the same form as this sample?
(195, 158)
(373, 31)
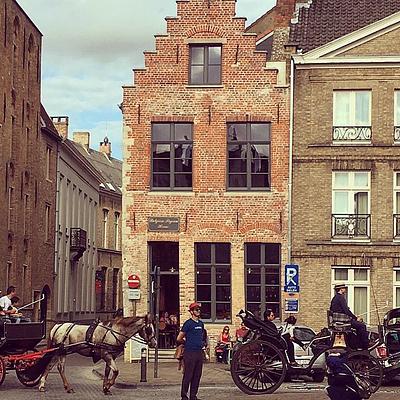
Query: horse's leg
(110, 364)
(61, 370)
(107, 370)
(43, 379)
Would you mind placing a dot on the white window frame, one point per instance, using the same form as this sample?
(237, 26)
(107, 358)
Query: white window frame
(10, 208)
(48, 163)
(352, 94)
(396, 285)
(351, 285)
(351, 188)
(105, 220)
(396, 189)
(117, 219)
(47, 222)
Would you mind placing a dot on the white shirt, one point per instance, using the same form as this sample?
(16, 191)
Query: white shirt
(5, 303)
(288, 328)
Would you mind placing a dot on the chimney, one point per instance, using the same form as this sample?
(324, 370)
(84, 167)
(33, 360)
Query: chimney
(105, 147)
(82, 138)
(284, 11)
(61, 124)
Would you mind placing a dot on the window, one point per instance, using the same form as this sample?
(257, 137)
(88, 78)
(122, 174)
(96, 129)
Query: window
(10, 208)
(105, 219)
(352, 115)
(396, 287)
(396, 203)
(115, 288)
(26, 210)
(262, 271)
(172, 145)
(213, 280)
(116, 230)
(47, 223)
(100, 288)
(358, 284)
(205, 65)
(351, 204)
(8, 274)
(397, 116)
(248, 156)
(48, 163)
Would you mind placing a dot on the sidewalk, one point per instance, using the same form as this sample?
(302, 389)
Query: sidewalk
(214, 374)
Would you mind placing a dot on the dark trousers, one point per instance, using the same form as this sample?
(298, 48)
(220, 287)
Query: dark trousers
(193, 364)
(362, 333)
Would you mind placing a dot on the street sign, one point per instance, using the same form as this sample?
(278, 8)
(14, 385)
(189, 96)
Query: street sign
(133, 281)
(291, 305)
(291, 278)
(133, 294)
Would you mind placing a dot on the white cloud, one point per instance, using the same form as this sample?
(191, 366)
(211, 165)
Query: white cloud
(91, 46)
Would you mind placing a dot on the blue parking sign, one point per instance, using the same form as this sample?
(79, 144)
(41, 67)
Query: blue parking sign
(291, 278)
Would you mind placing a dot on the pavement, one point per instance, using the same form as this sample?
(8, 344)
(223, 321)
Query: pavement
(214, 374)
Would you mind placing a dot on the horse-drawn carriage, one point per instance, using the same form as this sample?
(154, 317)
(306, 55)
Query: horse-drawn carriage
(260, 365)
(18, 351)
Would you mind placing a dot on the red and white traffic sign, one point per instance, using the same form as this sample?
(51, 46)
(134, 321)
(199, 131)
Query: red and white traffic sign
(133, 281)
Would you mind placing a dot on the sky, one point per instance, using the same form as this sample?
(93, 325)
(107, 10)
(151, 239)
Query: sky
(89, 49)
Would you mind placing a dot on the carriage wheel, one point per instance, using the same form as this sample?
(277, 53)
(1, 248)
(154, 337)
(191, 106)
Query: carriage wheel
(25, 380)
(367, 368)
(2, 370)
(258, 367)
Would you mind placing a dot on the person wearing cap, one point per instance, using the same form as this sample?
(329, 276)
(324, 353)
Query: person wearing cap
(192, 335)
(339, 305)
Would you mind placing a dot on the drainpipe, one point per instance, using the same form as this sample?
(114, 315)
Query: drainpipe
(290, 179)
(56, 288)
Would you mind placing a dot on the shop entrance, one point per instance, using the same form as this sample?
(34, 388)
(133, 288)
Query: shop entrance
(166, 256)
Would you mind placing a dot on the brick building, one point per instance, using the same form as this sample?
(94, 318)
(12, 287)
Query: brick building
(205, 176)
(346, 170)
(28, 161)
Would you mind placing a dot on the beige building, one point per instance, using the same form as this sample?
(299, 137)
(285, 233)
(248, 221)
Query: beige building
(28, 155)
(346, 169)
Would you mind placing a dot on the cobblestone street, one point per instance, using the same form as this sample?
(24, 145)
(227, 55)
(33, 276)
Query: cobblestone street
(87, 386)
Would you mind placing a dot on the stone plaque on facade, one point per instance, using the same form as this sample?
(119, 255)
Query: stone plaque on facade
(163, 224)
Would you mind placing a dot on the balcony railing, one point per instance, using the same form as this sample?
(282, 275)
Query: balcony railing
(77, 243)
(396, 226)
(351, 134)
(349, 226)
(396, 134)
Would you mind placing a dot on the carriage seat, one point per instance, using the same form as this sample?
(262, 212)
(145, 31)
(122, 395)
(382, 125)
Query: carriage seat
(339, 322)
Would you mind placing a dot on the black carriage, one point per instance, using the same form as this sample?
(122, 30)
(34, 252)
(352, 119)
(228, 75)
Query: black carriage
(260, 365)
(18, 341)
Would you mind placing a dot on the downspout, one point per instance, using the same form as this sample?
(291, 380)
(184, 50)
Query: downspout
(290, 179)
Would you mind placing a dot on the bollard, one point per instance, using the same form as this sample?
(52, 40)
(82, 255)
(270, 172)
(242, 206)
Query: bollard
(143, 365)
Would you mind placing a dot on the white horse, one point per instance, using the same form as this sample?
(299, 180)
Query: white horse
(108, 339)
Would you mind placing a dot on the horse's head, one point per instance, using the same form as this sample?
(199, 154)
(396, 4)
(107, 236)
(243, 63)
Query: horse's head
(147, 331)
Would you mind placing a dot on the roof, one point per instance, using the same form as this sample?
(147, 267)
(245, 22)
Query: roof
(326, 20)
(47, 125)
(110, 168)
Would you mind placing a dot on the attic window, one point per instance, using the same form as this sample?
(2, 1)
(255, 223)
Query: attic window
(110, 186)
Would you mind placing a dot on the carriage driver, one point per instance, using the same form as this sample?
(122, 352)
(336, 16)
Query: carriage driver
(5, 301)
(339, 305)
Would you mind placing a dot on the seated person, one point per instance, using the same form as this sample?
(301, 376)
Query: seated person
(5, 301)
(223, 344)
(241, 332)
(288, 335)
(15, 315)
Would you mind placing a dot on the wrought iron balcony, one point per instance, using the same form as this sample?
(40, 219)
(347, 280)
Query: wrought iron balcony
(396, 226)
(396, 134)
(77, 243)
(351, 134)
(349, 226)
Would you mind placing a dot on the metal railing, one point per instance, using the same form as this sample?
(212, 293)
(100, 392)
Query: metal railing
(351, 134)
(78, 239)
(351, 226)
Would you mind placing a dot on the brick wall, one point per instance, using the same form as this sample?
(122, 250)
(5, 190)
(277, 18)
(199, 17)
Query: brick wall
(209, 213)
(23, 158)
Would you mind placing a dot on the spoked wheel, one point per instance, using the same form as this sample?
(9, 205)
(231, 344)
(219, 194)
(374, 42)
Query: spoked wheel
(258, 368)
(25, 380)
(367, 368)
(2, 370)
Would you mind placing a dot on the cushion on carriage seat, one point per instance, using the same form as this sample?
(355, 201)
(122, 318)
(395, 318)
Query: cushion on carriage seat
(339, 321)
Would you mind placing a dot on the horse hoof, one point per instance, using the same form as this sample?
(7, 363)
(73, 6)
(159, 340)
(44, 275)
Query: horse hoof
(42, 389)
(70, 391)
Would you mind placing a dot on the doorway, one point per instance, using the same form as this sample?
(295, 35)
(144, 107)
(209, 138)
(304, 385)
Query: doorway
(166, 256)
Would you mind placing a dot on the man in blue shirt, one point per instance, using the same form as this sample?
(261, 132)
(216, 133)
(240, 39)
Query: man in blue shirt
(192, 335)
